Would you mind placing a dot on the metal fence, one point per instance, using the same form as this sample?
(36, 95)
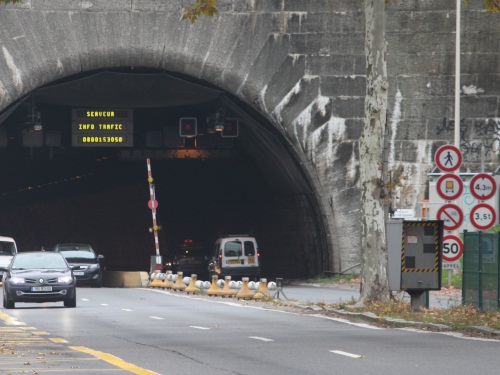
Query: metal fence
(481, 281)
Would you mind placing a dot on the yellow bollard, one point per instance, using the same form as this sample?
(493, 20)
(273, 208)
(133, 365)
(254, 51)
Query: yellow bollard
(191, 288)
(214, 290)
(245, 292)
(167, 284)
(263, 291)
(156, 282)
(227, 291)
(179, 284)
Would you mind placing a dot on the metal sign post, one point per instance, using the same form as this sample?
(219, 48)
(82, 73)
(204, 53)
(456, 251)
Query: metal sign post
(279, 288)
(153, 204)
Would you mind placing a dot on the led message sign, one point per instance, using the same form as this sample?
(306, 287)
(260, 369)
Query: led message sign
(102, 128)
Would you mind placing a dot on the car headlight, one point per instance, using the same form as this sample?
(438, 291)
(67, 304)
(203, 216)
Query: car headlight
(64, 279)
(94, 266)
(17, 280)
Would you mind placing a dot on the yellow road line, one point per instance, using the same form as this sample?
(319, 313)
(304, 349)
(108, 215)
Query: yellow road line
(9, 319)
(115, 361)
(40, 333)
(58, 340)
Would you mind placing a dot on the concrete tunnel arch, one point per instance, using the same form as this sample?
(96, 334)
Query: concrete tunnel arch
(287, 221)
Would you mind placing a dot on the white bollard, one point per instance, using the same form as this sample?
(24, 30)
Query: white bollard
(271, 285)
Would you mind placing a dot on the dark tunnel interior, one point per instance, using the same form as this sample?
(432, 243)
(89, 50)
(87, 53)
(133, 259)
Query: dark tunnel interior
(206, 186)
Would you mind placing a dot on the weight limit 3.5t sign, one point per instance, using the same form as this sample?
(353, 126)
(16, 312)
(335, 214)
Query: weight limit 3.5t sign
(483, 216)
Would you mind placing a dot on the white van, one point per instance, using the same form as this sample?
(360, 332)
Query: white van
(236, 256)
(8, 249)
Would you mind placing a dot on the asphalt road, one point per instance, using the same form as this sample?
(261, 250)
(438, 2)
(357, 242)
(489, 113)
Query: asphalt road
(166, 332)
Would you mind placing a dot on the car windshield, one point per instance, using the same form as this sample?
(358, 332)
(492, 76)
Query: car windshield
(83, 252)
(6, 248)
(232, 249)
(39, 261)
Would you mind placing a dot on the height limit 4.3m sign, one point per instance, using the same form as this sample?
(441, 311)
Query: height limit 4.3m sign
(483, 186)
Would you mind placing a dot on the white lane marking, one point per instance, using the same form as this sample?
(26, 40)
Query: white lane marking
(156, 317)
(259, 338)
(198, 327)
(126, 310)
(104, 304)
(347, 354)
(85, 299)
(341, 320)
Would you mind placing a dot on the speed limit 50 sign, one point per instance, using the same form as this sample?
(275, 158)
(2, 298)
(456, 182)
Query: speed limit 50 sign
(453, 248)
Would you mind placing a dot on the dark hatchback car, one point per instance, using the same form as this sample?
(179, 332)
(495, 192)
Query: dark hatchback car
(38, 276)
(190, 257)
(82, 255)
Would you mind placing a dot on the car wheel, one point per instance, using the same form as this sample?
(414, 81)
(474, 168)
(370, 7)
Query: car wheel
(71, 302)
(6, 303)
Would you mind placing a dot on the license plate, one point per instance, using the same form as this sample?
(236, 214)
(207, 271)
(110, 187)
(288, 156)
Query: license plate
(233, 261)
(78, 273)
(251, 259)
(41, 289)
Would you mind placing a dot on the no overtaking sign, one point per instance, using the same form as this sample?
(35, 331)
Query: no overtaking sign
(451, 215)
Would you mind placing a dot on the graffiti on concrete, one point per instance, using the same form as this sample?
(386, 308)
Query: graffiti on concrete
(476, 136)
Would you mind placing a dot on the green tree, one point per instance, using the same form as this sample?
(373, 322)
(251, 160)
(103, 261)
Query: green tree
(200, 8)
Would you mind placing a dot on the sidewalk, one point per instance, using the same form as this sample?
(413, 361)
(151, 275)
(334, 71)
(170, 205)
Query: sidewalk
(349, 291)
(313, 296)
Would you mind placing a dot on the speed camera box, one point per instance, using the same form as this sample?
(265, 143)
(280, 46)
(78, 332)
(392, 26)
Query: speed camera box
(414, 250)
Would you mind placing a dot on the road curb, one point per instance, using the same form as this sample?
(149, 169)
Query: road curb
(483, 330)
(401, 323)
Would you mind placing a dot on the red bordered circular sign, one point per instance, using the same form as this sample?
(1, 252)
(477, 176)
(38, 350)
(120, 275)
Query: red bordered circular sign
(453, 248)
(451, 215)
(483, 216)
(483, 186)
(449, 187)
(448, 158)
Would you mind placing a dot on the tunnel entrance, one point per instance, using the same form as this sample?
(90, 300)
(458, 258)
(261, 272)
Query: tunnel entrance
(55, 191)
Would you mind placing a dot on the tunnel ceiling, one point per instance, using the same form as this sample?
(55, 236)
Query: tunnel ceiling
(151, 94)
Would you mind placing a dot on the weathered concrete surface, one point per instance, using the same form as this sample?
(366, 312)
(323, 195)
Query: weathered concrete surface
(301, 64)
(123, 279)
